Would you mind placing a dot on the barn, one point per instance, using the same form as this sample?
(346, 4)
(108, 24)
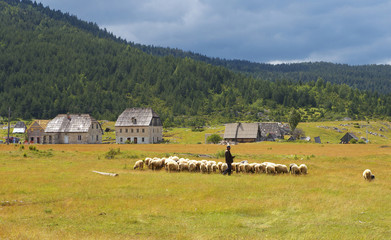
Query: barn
(138, 126)
(242, 132)
(347, 137)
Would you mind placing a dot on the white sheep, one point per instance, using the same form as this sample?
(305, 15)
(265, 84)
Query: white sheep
(214, 167)
(192, 167)
(303, 169)
(270, 169)
(183, 166)
(172, 166)
(203, 168)
(367, 174)
(157, 164)
(281, 168)
(219, 164)
(139, 164)
(294, 169)
(224, 167)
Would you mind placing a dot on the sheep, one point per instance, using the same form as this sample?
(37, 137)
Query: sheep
(294, 169)
(203, 168)
(262, 168)
(219, 164)
(224, 167)
(183, 166)
(139, 164)
(192, 167)
(242, 167)
(252, 165)
(173, 166)
(281, 168)
(303, 169)
(147, 160)
(209, 167)
(214, 167)
(270, 169)
(247, 168)
(157, 164)
(198, 165)
(367, 174)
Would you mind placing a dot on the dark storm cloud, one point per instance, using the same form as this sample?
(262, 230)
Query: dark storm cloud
(353, 32)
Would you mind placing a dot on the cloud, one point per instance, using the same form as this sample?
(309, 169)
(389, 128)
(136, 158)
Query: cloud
(353, 32)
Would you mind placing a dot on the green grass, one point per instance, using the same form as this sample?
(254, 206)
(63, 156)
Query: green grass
(48, 196)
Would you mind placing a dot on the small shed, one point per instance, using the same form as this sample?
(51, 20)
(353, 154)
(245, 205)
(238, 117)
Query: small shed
(20, 127)
(347, 137)
(242, 132)
(317, 140)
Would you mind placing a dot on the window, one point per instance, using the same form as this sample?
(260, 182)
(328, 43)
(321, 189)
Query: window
(131, 130)
(142, 139)
(126, 130)
(143, 130)
(79, 137)
(92, 125)
(120, 131)
(97, 126)
(97, 137)
(137, 130)
(120, 140)
(134, 121)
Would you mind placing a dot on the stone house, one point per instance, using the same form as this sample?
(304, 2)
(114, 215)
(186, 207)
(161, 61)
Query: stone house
(36, 131)
(139, 126)
(73, 129)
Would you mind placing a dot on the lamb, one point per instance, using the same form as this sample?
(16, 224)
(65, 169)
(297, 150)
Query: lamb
(270, 169)
(139, 164)
(367, 174)
(281, 168)
(303, 169)
(294, 169)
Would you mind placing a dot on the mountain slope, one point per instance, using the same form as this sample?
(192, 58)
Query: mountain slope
(53, 63)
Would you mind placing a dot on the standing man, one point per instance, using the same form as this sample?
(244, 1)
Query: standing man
(229, 159)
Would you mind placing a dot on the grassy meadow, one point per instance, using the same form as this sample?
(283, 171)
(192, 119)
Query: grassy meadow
(52, 193)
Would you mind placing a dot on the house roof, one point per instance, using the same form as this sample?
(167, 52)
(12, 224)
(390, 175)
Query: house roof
(243, 130)
(20, 124)
(70, 123)
(272, 128)
(138, 117)
(351, 135)
(41, 123)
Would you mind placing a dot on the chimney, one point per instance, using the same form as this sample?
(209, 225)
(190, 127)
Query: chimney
(69, 116)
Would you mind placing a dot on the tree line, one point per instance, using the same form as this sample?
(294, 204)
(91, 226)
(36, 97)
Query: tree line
(53, 63)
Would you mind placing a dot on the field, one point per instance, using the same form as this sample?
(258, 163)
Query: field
(52, 193)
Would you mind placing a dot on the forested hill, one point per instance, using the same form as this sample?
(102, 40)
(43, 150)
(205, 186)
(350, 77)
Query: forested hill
(364, 77)
(53, 63)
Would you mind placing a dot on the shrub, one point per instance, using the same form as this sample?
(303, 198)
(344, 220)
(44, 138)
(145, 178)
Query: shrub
(112, 153)
(214, 138)
(220, 154)
(33, 148)
(353, 141)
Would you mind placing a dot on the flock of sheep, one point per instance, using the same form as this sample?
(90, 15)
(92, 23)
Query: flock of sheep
(176, 164)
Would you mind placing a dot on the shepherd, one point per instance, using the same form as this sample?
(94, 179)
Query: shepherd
(229, 159)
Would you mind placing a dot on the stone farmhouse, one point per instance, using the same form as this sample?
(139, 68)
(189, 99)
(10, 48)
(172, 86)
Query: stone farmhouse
(139, 126)
(73, 129)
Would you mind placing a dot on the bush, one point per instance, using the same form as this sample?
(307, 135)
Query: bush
(214, 138)
(112, 153)
(220, 154)
(353, 141)
(33, 148)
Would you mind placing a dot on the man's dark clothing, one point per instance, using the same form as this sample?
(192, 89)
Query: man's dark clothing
(229, 160)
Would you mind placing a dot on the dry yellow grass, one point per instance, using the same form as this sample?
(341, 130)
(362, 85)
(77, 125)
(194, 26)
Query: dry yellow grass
(52, 193)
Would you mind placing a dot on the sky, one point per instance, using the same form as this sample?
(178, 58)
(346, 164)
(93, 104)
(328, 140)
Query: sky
(353, 32)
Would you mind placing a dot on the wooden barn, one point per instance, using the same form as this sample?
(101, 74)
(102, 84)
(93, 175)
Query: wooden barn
(347, 137)
(242, 132)
(36, 131)
(139, 126)
(73, 129)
